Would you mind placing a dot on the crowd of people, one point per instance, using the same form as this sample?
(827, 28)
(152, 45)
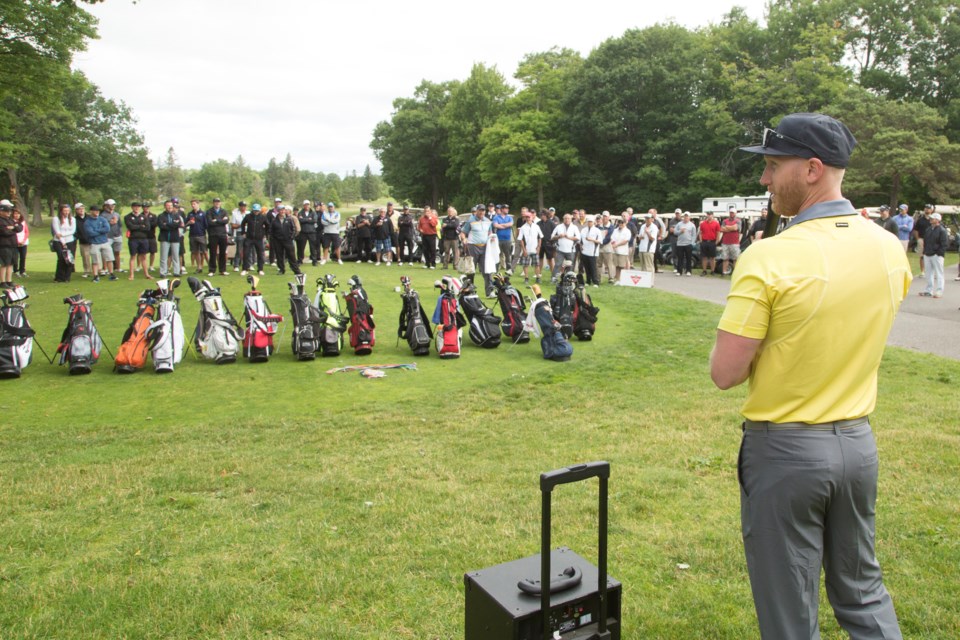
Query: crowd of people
(536, 243)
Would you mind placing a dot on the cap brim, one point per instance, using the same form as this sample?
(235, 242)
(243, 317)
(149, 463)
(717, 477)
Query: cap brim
(766, 151)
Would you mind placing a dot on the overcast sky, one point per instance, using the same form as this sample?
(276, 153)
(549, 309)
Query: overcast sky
(219, 78)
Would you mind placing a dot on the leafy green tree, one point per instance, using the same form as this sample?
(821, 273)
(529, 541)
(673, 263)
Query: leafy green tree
(350, 188)
(412, 146)
(369, 187)
(170, 176)
(897, 142)
(527, 149)
(640, 114)
(214, 177)
(474, 104)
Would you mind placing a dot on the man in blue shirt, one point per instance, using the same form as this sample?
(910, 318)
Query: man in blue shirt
(474, 234)
(101, 248)
(503, 225)
(904, 225)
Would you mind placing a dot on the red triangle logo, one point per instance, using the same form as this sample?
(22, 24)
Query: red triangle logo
(636, 279)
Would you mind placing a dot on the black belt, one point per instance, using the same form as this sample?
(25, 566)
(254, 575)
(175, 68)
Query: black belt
(763, 425)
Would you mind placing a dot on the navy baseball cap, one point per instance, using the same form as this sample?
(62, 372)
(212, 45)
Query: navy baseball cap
(808, 135)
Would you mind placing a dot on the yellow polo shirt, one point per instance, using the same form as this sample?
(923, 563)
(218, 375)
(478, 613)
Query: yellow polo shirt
(822, 296)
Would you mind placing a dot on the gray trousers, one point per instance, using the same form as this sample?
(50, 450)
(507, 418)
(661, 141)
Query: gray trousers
(807, 500)
(169, 257)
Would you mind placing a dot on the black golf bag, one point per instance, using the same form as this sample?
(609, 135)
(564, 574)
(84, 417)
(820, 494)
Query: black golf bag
(261, 324)
(80, 344)
(360, 310)
(564, 302)
(16, 335)
(218, 335)
(541, 321)
(513, 309)
(132, 354)
(484, 326)
(307, 321)
(448, 318)
(585, 318)
(335, 323)
(414, 324)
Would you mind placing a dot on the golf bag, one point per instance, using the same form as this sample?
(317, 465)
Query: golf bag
(307, 321)
(414, 325)
(585, 318)
(166, 333)
(541, 321)
(334, 324)
(513, 309)
(132, 354)
(80, 344)
(218, 334)
(564, 302)
(16, 335)
(261, 324)
(448, 318)
(484, 326)
(360, 310)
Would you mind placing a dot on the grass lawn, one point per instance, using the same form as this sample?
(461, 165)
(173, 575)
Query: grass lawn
(274, 500)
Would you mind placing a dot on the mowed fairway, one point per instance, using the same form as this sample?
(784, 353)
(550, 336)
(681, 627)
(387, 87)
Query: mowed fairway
(274, 500)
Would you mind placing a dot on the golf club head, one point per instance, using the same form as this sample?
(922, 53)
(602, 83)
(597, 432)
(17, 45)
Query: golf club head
(301, 279)
(536, 290)
(194, 284)
(254, 281)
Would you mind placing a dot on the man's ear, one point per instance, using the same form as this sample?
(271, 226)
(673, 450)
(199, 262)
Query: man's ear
(815, 170)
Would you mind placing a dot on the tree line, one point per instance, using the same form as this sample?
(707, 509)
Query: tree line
(61, 140)
(235, 181)
(653, 118)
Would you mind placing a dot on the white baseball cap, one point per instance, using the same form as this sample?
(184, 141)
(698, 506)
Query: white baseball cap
(306, 202)
(110, 201)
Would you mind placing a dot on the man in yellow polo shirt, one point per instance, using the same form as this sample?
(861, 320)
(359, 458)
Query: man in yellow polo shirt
(808, 459)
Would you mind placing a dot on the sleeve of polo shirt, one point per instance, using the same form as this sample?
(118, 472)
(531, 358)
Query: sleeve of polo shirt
(747, 313)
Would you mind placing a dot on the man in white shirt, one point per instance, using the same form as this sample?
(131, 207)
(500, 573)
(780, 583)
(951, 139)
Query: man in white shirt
(620, 241)
(567, 236)
(530, 237)
(591, 238)
(647, 244)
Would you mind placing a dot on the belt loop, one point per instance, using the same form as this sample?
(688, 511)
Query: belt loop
(836, 428)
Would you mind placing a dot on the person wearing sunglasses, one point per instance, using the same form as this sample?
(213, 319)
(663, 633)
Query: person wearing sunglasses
(808, 459)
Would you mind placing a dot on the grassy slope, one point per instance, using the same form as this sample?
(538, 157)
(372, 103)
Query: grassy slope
(252, 500)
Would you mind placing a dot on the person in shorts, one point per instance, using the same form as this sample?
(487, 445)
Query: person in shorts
(530, 238)
(138, 234)
(708, 231)
(730, 241)
(620, 243)
(330, 221)
(382, 230)
(101, 249)
(197, 223)
(9, 228)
